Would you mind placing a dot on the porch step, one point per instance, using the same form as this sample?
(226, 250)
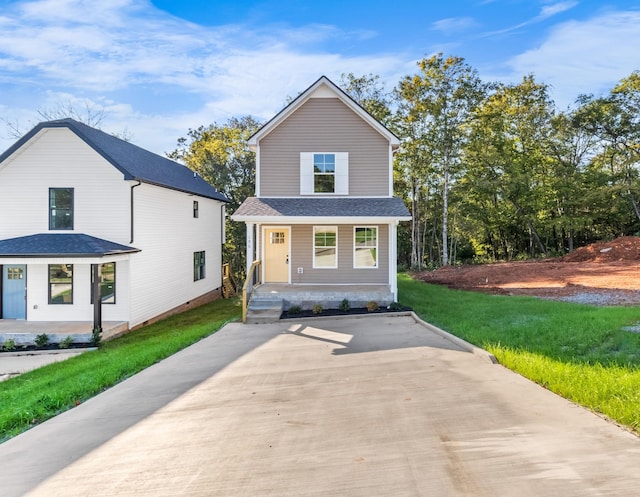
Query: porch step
(262, 311)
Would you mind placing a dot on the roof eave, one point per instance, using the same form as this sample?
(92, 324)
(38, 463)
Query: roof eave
(320, 219)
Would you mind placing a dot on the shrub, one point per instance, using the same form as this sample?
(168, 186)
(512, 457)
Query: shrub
(295, 309)
(42, 340)
(344, 306)
(10, 344)
(96, 337)
(372, 306)
(66, 343)
(394, 306)
(317, 309)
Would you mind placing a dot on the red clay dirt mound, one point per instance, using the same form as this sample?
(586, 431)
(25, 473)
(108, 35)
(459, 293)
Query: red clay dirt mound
(625, 248)
(604, 273)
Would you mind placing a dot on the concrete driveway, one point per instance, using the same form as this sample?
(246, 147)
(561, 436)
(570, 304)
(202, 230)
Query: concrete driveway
(371, 406)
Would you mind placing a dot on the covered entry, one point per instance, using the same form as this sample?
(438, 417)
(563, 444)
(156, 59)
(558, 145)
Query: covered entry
(276, 254)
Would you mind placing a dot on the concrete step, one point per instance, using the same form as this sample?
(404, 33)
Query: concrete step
(261, 311)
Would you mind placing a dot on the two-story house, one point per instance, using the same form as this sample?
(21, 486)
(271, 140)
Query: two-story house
(85, 213)
(323, 222)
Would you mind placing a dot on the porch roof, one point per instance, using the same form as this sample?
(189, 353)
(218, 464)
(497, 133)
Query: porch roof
(61, 245)
(303, 208)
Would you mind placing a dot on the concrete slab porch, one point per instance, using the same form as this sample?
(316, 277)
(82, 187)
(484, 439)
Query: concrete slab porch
(24, 332)
(329, 296)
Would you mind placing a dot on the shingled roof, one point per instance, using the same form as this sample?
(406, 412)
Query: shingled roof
(133, 162)
(387, 207)
(61, 245)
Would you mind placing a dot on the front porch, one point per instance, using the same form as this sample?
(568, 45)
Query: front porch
(268, 300)
(25, 332)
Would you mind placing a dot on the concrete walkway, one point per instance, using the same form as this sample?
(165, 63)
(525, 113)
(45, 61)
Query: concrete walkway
(372, 406)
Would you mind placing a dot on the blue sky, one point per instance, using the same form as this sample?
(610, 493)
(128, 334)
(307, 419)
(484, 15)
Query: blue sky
(161, 67)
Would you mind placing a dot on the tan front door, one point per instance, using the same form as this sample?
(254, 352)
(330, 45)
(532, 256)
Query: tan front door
(276, 255)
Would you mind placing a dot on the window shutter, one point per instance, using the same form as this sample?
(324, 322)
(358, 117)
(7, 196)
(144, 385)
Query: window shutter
(306, 173)
(342, 173)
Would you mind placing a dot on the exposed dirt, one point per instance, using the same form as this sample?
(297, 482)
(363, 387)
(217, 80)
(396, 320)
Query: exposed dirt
(604, 273)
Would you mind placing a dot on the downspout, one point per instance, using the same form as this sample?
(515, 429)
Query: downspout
(132, 187)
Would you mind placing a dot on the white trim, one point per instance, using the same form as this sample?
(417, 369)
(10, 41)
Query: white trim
(64, 260)
(264, 239)
(258, 171)
(377, 228)
(393, 259)
(313, 245)
(288, 220)
(390, 171)
(249, 246)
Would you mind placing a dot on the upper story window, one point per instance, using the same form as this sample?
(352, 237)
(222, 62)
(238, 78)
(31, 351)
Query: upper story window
(323, 173)
(60, 208)
(196, 209)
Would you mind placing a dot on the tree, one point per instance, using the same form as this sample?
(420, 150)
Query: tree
(434, 107)
(219, 154)
(369, 92)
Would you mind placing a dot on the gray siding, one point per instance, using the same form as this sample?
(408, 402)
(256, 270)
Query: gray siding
(302, 256)
(324, 125)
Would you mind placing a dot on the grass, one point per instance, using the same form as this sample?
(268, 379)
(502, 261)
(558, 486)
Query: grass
(578, 351)
(36, 396)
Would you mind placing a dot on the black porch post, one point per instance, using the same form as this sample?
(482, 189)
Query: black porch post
(97, 300)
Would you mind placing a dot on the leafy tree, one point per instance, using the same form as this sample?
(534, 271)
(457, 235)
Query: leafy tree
(219, 154)
(433, 108)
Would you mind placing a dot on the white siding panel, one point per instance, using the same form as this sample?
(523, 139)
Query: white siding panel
(168, 235)
(58, 158)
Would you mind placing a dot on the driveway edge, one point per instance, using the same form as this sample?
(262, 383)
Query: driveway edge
(463, 344)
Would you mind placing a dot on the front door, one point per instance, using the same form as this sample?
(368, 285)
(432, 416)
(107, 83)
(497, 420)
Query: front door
(276, 255)
(14, 291)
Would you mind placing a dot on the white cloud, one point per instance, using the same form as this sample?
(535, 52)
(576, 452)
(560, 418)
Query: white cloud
(584, 57)
(546, 12)
(454, 25)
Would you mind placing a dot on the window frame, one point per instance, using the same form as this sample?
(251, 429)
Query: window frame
(196, 209)
(315, 247)
(331, 174)
(50, 298)
(340, 173)
(356, 247)
(102, 301)
(52, 216)
(199, 265)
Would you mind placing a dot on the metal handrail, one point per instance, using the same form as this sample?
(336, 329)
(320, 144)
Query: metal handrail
(253, 279)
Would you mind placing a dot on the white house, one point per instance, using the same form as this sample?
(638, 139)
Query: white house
(81, 206)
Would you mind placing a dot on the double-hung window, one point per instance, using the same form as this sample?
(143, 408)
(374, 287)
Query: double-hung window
(324, 173)
(60, 208)
(60, 283)
(196, 209)
(325, 247)
(365, 243)
(199, 266)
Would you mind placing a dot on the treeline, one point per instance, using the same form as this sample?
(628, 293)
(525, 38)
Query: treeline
(490, 171)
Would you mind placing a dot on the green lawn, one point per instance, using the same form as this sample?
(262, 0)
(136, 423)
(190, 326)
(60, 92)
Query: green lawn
(36, 396)
(578, 351)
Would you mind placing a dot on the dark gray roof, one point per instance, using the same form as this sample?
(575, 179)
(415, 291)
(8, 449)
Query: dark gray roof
(61, 245)
(133, 162)
(326, 207)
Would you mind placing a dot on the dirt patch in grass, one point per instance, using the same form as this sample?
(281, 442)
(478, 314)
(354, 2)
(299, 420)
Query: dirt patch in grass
(604, 273)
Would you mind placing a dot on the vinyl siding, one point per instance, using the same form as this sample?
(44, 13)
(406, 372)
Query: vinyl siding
(302, 256)
(168, 235)
(324, 125)
(58, 158)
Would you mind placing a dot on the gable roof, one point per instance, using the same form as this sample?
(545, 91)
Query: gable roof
(323, 83)
(61, 245)
(134, 162)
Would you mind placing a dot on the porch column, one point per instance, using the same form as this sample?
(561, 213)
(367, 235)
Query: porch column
(393, 259)
(97, 300)
(250, 246)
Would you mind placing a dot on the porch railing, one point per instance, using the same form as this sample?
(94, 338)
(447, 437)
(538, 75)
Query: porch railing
(253, 279)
